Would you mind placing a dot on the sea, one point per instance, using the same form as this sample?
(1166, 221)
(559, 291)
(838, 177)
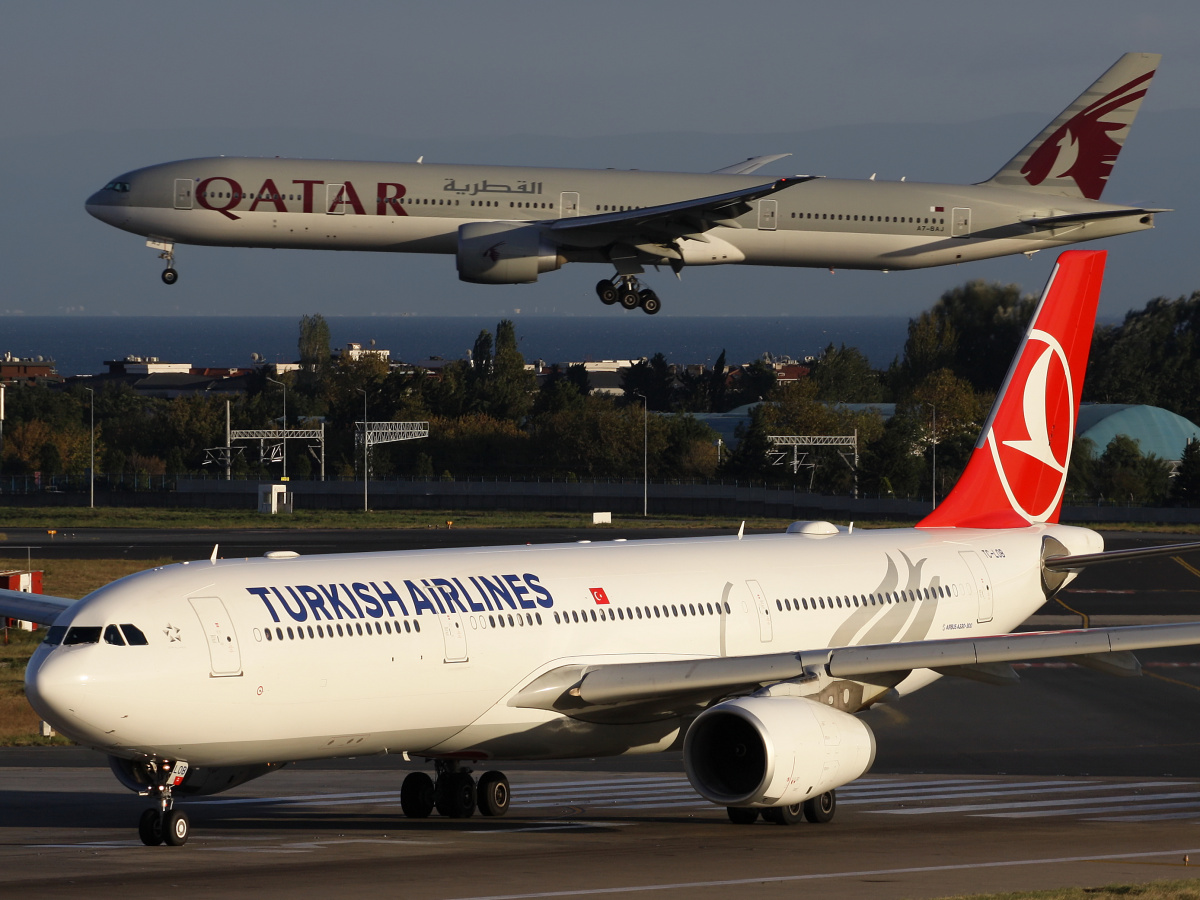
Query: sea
(80, 345)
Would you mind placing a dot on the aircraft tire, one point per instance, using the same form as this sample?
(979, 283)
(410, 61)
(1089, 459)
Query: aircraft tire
(607, 292)
(493, 794)
(742, 815)
(170, 276)
(416, 795)
(455, 796)
(819, 810)
(650, 302)
(630, 299)
(176, 827)
(150, 828)
(784, 815)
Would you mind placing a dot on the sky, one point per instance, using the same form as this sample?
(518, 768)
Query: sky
(89, 90)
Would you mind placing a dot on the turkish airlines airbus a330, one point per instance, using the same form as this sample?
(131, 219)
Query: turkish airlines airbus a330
(507, 225)
(751, 653)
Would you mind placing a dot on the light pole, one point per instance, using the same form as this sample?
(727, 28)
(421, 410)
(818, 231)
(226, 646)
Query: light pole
(92, 436)
(366, 444)
(645, 455)
(935, 443)
(284, 386)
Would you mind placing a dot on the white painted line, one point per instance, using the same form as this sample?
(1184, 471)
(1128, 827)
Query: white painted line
(819, 876)
(1193, 805)
(1044, 787)
(1032, 804)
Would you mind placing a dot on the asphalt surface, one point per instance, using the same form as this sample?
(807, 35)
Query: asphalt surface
(1069, 778)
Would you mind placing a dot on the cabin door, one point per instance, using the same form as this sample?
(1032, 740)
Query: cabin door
(335, 199)
(981, 583)
(223, 651)
(768, 213)
(183, 193)
(960, 222)
(568, 204)
(763, 609)
(454, 636)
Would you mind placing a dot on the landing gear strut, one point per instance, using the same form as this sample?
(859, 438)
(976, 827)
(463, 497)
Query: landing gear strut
(627, 290)
(455, 794)
(163, 823)
(167, 254)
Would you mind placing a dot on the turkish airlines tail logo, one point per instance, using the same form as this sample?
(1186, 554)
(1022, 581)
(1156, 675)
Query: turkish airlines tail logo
(1083, 148)
(1018, 471)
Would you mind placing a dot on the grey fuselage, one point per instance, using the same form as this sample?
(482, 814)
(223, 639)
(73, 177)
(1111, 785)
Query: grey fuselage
(416, 208)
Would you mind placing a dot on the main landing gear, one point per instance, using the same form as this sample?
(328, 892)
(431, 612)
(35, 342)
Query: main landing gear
(819, 810)
(163, 824)
(455, 794)
(627, 290)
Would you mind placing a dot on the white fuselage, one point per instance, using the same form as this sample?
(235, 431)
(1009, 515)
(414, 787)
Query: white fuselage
(264, 660)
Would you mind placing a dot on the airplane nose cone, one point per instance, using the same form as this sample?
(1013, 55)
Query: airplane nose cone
(56, 685)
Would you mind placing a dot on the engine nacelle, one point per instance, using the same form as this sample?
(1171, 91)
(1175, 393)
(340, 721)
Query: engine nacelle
(504, 253)
(139, 776)
(774, 751)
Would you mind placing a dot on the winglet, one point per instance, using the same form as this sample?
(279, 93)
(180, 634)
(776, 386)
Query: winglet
(1018, 470)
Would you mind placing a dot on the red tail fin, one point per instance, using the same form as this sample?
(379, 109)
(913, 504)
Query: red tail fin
(1017, 473)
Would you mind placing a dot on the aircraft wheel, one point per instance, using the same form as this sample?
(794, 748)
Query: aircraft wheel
(176, 827)
(455, 798)
(493, 794)
(742, 815)
(630, 299)
(784, 815)
(820, 809)
(150, 828)
(170, 276)
(607, 292)
(416, 795)
(650, 302)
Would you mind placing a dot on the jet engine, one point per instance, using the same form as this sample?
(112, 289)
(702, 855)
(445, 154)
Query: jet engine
(140, 776)
(504, 253)
(774, 751)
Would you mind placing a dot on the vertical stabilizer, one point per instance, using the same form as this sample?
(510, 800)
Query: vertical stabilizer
(1075, 153)
(1018, 470)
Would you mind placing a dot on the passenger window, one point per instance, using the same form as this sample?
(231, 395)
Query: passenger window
(134, 636)
(112, 635)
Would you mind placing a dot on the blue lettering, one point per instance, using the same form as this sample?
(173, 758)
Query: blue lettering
(544, 599)
(449, 594)
(437, 595)
(315, 601)
(389, 596)
(475, 607)
(300, 613)
(420, 601)
(515, 583)
(499, 591)
(261, 594)
(331, 594)
(482, 593)
(374, 607)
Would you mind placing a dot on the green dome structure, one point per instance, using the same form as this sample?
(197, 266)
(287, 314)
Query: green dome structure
(1157, 431)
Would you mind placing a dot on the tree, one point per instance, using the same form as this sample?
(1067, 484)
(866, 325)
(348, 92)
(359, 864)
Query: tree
(314, 342)
(652, 379)
(1186, 487)
(843, 375)
(1125, 475)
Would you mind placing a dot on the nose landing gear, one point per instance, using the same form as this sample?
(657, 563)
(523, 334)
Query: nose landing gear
(167, 254)
(455, 794)
(627, 290)
(163, 823)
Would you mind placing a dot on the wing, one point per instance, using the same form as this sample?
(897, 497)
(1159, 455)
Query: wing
(675, 686)
(668, 222)
(40, 608)
(753, 164)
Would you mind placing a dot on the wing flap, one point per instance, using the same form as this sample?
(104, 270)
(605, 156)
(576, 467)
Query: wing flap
(40, 608)
(753, 164)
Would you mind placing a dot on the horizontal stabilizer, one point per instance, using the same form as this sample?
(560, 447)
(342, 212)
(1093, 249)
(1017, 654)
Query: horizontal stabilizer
(1083, 560)
(40, 608)
(1077, 218)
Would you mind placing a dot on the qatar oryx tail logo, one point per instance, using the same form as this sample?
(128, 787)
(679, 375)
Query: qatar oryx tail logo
(1074, 154)
(1018, 471)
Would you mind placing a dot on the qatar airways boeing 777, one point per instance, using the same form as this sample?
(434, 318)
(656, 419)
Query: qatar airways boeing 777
(508, 225)
(751, 653)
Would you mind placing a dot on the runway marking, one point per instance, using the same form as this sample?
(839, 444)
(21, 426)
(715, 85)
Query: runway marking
(817, 876)
(1194, 805)
(1000, 790)
(1031, 804)
(566, 826)
(1187, 565)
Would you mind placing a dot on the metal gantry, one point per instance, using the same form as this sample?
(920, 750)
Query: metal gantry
(390, 432)
(779, 456)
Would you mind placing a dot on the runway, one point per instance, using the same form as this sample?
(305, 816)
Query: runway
(1069, 778)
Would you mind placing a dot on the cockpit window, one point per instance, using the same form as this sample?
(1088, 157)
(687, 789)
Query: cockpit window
(54, 634)
(134, 635)
(121, 187)
(112, 635)
(82, 634)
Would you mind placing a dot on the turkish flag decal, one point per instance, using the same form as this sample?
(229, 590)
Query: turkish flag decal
(599, 596)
